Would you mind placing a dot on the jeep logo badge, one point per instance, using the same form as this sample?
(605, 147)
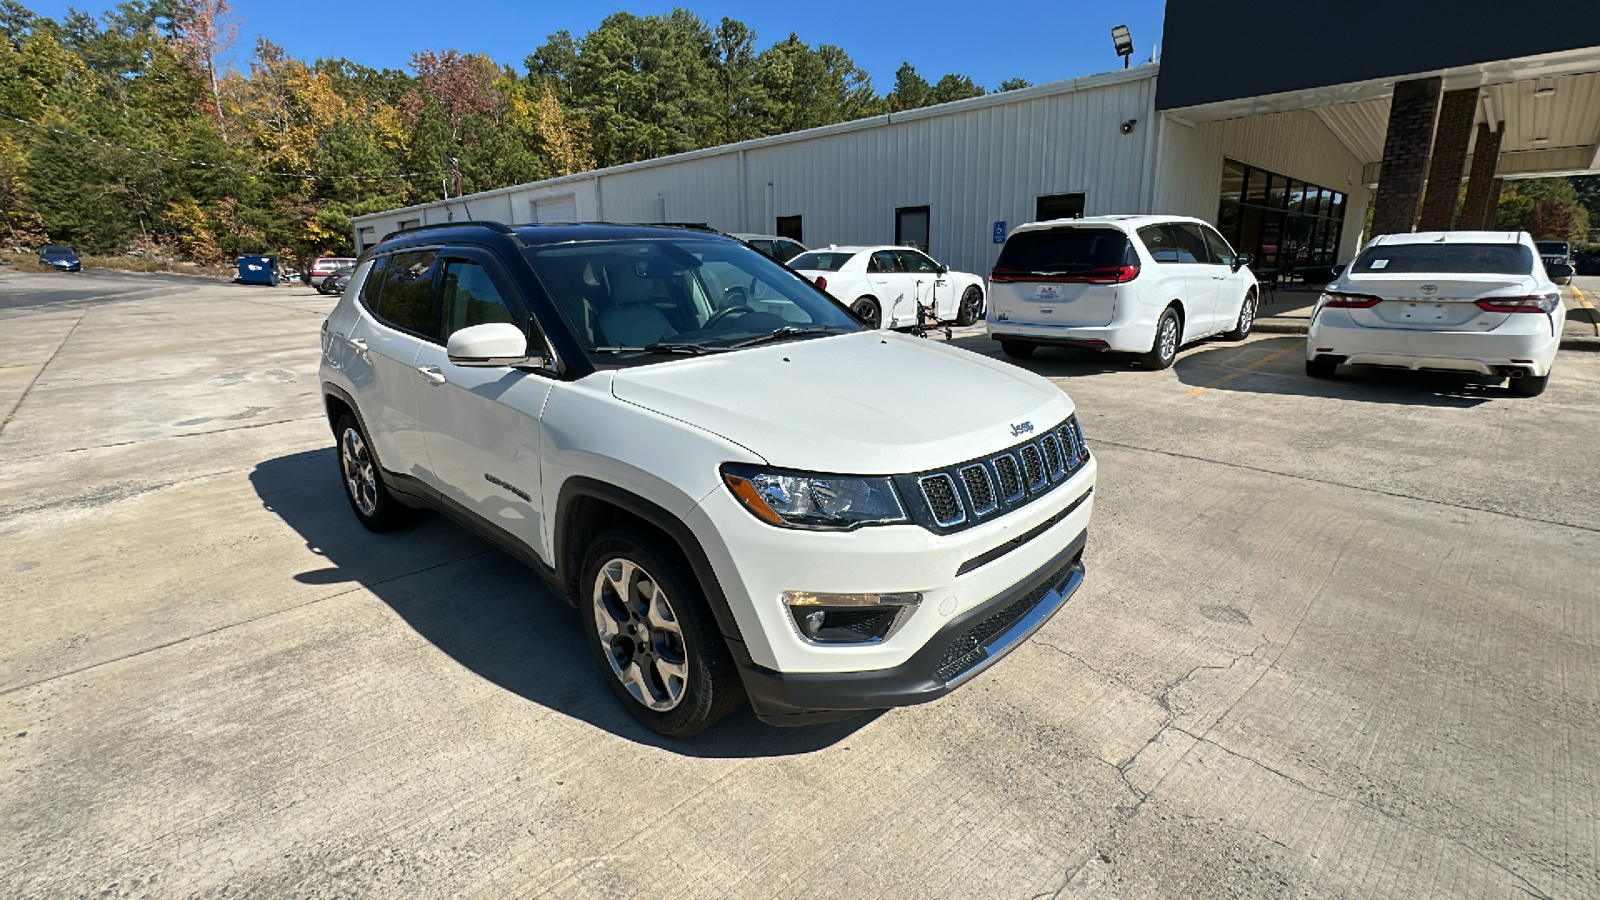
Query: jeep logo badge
(1020, 430)
(1429, 289)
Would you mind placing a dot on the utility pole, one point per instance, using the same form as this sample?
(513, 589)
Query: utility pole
(455, 174)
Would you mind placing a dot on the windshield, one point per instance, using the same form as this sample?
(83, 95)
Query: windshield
(640, 301)
(1064, 250)
(1465, 259)
(56, 249)
(821, 260)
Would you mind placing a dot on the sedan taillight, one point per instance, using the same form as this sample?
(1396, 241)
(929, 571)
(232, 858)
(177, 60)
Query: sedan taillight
(1534, 303)
(1335, 300)
(822, 282)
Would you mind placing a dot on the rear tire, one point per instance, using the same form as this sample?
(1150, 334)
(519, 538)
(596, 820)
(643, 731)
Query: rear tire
(1017, 349)
(1164, 349)
(654, 638)
(1529, 385)
(971, 302)
(1322, 367)
(866, 309)
(361, 473)
(1247, 318)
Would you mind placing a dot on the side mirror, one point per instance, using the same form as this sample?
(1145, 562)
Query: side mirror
(1242, 260)
(487, 345)
(943, 268)
(1559, 270)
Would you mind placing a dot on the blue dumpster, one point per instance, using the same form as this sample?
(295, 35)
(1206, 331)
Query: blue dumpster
(258, 270)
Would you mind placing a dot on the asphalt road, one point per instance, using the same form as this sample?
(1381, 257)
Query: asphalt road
(1337, 639)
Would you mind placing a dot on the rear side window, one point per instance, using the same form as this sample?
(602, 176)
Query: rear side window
(372, 287)
(1173, 243)
(820, 260)
(1474, 259)
(407, 301)
(1065, 250)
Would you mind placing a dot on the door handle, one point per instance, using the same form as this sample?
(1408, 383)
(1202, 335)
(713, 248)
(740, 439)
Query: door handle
(431, 374)
(357, 344)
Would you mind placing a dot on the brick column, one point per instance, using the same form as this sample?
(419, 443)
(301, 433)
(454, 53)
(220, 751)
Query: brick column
(1457, 110)
(1483, 190)
(1405, 155)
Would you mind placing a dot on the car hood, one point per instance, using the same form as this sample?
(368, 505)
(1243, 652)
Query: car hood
(867, 403)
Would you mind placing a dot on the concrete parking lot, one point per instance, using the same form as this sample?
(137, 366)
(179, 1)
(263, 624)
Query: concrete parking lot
(1338, 639)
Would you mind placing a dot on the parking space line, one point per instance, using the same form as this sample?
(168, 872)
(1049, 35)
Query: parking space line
(1594, 320)
(1247, 369)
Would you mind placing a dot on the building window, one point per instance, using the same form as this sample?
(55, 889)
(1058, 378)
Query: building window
(1058, 206)
(1290, 226)
(911, 227)
(789, 227)
(364, 238)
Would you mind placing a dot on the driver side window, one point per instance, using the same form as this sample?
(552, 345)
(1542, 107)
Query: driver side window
(470, 298)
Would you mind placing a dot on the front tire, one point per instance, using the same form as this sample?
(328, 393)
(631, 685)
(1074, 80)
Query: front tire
(654, 638)
(866, 309)
(1164, 349)
(971, 303)
(369, 497)
(1247, 318)
(1530, 385)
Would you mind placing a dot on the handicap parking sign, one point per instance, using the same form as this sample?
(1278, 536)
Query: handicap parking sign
(999, 232)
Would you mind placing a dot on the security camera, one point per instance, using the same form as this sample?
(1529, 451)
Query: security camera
(1127, 127)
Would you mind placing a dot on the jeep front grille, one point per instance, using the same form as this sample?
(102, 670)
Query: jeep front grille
(1005, 467)
(1051, 445)
(940, 492)
(1033, 466)
(980, 490)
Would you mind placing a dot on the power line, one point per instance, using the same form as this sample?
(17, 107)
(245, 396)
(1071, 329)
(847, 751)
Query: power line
(211, 165)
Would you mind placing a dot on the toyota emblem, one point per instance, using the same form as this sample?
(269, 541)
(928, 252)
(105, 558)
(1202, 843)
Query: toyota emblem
(1429, 289)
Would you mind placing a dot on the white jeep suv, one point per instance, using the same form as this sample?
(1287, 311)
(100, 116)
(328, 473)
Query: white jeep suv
(668, 426)
(1135, 284)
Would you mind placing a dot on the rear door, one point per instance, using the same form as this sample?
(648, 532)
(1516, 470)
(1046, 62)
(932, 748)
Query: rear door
(1068, 276)
(891, 284)
(385, 342)
(482, 423)
(1184, 265)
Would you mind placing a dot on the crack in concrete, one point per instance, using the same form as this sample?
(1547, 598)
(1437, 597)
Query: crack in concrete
(36, 376)
(1354, 487)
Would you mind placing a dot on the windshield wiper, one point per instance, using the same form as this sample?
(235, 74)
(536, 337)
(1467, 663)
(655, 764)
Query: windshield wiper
(788, 331)
(660, 347)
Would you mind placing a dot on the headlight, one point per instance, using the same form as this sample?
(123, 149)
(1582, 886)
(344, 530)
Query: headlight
(818, 502)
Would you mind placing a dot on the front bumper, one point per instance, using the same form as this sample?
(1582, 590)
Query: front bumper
(967, 645)
(1521, 337)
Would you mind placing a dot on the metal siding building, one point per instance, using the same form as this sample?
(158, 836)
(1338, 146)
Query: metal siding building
(972, 163)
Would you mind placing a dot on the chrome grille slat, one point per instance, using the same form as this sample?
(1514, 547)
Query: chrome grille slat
(1010, 475)
(980, 489)
(1033, 466)
(1053, 465)
(939, 491)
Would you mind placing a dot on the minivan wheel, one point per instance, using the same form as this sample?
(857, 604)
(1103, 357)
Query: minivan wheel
(866, 309)
(363, 485)
(970, 303)
(1529, 385)
(1017, 349)
(1247, 318)
(654, 638)
(1164, 349)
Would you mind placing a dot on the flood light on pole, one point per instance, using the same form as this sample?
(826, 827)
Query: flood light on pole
(1122, 39)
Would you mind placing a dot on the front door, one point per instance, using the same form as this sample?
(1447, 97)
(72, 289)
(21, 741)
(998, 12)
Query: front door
(892, 286)
(482, 423)
(928, 285)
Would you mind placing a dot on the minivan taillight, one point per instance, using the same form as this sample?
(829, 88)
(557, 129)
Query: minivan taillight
(1350, 301)
(1100, 275)
(1535, 303)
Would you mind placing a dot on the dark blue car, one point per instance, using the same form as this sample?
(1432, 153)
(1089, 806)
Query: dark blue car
(60, 258)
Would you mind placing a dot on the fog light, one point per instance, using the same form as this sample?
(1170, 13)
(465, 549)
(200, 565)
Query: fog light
(849, 618)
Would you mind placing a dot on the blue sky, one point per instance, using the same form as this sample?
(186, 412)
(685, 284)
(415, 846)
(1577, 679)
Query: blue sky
(1033, 39)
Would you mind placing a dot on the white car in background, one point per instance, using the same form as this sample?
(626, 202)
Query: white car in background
(773, 246)
(884, 286)
(1457, 301)
(1135, 284)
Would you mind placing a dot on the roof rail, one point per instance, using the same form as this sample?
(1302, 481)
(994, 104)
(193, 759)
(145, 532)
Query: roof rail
(501, 227)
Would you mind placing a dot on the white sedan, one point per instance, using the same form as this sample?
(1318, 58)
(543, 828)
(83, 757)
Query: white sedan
(1457, 301)
(884, 286)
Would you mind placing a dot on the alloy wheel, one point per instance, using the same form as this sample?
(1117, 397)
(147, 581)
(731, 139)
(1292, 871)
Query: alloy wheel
(868, 312)
(640, 634)
(1247, 315)
(1169, 337)
(360, 478)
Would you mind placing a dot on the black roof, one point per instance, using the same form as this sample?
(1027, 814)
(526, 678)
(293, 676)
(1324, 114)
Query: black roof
(530, 235)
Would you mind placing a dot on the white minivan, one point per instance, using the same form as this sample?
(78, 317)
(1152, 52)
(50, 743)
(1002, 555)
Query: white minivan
(1134, 284)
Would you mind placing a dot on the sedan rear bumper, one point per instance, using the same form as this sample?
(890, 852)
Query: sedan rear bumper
(1526, 342)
